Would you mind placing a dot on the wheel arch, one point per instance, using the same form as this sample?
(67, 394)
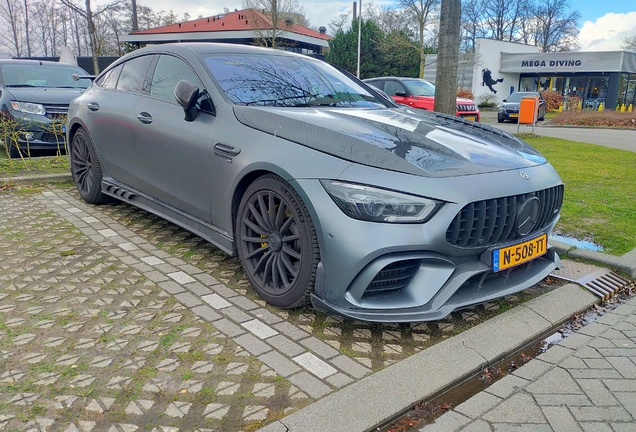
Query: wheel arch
(238, 193)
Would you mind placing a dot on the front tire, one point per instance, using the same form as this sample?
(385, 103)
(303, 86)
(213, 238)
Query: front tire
(277, 242)
(86, 169)
(14, 151)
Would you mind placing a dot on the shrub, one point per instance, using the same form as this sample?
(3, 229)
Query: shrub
(596, 118)
(553, 100)
(487, 100)
(465, 93)
(573, 103)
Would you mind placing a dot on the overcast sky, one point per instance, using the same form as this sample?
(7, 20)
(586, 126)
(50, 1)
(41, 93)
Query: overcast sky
(603, 25)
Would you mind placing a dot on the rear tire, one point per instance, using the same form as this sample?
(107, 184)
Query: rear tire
(86, 169)
(499, 120)
(277, 242)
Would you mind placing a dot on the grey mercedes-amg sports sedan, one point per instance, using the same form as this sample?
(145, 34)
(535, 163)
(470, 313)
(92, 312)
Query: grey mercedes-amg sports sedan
(328, 192)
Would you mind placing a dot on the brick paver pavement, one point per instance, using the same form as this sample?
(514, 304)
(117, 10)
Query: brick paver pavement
(114, 319)
(585, 383)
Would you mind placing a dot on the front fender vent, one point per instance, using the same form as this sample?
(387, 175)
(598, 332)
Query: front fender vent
(393, 277)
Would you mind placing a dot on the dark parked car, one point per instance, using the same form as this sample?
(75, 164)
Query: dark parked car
(509, 109)
(419, 93)
(325, 191)
(35, 95)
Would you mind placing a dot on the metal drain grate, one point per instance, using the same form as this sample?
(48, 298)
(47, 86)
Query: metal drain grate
(601, 282)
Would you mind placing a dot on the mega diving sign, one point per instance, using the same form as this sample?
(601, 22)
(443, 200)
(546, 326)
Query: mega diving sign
(551, 63)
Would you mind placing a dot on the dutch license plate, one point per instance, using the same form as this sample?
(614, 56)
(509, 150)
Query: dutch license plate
(514, 115)
(473, 118)
(511, 256)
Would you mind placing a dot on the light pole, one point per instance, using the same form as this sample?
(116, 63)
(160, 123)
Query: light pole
(359, 37)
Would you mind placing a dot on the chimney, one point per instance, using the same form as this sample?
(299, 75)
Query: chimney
(289, 21)
(323, 30)
(355, 10)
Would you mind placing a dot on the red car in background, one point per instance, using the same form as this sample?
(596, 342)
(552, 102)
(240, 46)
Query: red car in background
(419, 93)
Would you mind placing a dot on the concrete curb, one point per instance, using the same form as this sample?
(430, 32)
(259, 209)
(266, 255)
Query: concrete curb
(625, 263)
(37, 178)
(378, 398)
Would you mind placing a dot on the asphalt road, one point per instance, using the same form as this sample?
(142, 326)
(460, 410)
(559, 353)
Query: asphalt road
(614, 138)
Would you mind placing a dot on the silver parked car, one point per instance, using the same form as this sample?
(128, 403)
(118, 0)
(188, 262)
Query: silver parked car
(327, 192)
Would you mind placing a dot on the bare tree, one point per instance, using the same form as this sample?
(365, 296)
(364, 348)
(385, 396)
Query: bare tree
(629, 43)
(422, 11)
(88, 14)
(11, 17)
(448, 57)
(337, 24)
(557, 25)
(270, 18)
(504, 18)
(473, 16)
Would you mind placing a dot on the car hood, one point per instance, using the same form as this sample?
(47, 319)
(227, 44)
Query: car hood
(397, 139)
(510, 105)
(464, 101)
(45, 95)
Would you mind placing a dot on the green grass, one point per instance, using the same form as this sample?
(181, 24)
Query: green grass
(600, 191)
(32, 166)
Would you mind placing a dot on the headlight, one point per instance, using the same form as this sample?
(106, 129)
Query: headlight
(28, 108)
(379, 205)
(502, 109)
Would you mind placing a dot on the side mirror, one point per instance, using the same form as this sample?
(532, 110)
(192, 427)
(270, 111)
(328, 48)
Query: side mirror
(505, 100)
(401, 93)
(187, 95)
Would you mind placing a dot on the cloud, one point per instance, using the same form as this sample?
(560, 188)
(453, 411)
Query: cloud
(607, 32)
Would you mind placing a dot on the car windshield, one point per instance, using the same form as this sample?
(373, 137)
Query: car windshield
(42, 75)
(283, 81)
(516, 97)
(419, 87)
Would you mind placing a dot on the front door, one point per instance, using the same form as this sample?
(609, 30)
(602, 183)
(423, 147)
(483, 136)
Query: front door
(173, 155)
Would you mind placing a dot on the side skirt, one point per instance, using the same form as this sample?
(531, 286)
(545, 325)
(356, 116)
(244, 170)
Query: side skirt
(209, 232)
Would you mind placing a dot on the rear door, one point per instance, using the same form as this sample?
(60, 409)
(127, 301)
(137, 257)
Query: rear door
(111, 111)
(172, 156)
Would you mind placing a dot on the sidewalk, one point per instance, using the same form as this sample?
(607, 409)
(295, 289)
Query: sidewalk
(585, 383)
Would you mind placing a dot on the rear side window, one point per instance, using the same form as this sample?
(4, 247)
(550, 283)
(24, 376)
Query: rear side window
(133, 75)
(169, 71)
(109, 79)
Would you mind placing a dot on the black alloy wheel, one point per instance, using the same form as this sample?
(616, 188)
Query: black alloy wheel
(86, 169)
(277, 242)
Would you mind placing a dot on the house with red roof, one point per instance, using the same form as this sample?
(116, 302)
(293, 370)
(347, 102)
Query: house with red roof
(246, 27)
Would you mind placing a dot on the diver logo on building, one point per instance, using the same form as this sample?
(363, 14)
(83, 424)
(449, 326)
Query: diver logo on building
(487, 80)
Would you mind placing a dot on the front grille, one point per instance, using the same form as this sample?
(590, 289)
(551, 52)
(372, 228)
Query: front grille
(53, 138)
(393, 277)
(491, 222)
(467, 107)
(56, 111)
(512, 111)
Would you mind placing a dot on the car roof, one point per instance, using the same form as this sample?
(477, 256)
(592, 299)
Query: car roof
(394, 77)
(207, 48)
(36, 62)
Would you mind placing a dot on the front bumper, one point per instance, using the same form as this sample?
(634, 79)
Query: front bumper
(470, 283)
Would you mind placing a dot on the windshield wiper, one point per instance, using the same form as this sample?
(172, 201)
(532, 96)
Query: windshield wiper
(19, 85)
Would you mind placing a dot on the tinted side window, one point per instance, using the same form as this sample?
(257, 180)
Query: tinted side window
(133, 75)
(391, 87)
(169, 71)
(109, 79)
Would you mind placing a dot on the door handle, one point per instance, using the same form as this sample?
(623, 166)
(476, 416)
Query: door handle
(227, 149)
(144, 117)
(93, 106)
